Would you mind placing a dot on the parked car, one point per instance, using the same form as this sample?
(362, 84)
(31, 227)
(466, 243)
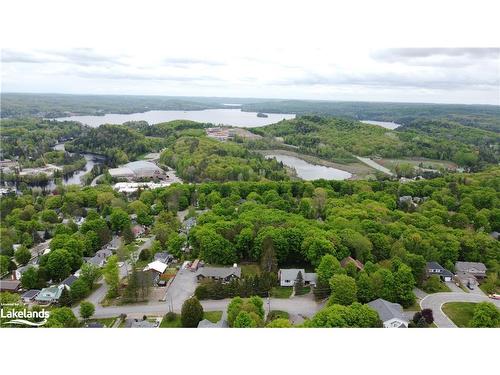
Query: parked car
(470, 286)
(494, 296)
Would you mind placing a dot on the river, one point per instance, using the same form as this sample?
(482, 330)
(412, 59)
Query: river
(233, 116)
(308, 171)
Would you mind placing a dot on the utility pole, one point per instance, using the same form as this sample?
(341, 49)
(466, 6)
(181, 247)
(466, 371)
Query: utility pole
(268, 302)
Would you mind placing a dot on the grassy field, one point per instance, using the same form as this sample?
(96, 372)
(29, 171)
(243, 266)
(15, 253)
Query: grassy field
(213, 316)
(176, 323)
(281, 292)
(459, 312)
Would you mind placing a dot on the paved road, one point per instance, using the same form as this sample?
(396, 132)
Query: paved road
(437, 300)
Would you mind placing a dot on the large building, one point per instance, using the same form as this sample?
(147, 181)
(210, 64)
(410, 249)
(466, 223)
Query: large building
(138, 170)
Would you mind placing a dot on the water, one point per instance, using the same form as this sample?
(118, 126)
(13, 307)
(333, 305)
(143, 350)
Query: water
(308, 171)
(384, 124)
(234, 117)
(75, 177)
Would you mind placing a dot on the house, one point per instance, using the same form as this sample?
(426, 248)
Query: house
(10, 285)
(136, 323)
(156, 266)
(138, 230)
(49, 295)
(289, 276)
(344, 262)
(205, 323)
(67, 282)
(95, 260)
(18, 273)
(163, 257)
(224, 274)
(476, 269)
(434, 268)
(391, 314)
(104, 253)
(29, 295)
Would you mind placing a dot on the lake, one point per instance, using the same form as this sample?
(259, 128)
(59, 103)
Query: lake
(308, 171)
(235, 117)
(384, 124)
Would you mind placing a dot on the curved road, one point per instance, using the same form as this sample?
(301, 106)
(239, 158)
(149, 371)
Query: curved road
(437, 300)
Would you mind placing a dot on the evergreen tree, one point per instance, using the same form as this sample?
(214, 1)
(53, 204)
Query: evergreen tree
(65, 299)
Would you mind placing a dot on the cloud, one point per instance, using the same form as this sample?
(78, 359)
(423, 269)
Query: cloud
(436, 56)
(187, 61)
(421, 80)
(75, 56)
(142, 76)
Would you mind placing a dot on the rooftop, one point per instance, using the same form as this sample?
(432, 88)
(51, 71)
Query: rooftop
(387, 310)
(219, 272)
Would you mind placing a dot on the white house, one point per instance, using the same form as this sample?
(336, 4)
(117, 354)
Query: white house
(289, 276)
(391, 314)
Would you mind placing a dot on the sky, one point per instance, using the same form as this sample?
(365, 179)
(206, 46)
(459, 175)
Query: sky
(216, 49)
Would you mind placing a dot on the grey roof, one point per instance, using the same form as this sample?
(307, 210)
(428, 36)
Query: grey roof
(310, 277)
(465, 266)
(23, 269)
(95, 260)
(162, 256)
(219, 272)
(69, 280)
(30, 294)
(387, 310)
(291, 273)
(103, 253)
(436, 266)
(10, 284)
(205, 323)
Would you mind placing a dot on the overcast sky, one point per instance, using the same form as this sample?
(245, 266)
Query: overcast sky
(221, 56)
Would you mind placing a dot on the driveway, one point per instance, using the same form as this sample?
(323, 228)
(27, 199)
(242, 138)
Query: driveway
(181, 288)
(437, 300)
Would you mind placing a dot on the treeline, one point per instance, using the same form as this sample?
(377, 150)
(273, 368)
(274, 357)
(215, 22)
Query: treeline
(473, 116)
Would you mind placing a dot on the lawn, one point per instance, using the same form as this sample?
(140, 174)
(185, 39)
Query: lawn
(176, 323)
(459, 312)
(438, 288)
(415, 307)
(303, 290)
(249, 269)
(281, 292)
(277, 314)
(213, 316)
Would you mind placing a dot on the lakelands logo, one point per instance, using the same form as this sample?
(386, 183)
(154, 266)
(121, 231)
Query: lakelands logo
(19, 317)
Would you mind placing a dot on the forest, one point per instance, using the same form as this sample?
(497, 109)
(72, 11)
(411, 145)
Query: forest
(341, 140)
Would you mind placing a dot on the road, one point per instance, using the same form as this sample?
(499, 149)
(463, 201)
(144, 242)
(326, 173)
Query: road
(183, 286)
(437, 300)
